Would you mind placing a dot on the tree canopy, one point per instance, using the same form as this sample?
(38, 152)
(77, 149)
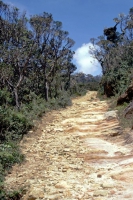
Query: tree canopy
(35, 54)
(114, 52)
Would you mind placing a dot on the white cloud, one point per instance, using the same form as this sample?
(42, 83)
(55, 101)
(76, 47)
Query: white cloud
(84, 61)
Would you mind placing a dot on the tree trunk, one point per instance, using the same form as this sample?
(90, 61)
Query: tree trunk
(50, 90)
(46, 89)
(16, 97)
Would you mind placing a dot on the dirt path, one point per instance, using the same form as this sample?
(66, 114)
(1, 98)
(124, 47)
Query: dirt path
(76, 154)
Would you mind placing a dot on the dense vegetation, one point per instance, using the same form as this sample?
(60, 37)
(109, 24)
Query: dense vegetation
(114, 51)
(36, 75)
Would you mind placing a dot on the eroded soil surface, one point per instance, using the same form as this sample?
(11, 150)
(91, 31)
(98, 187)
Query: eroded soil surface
(77, 153)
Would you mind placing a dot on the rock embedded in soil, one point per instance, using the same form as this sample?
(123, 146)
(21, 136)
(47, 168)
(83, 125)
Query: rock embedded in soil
(71, 156)
(111, 115)
(62, 184)
(100, 193)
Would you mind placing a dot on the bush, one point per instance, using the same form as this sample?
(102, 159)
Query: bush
(9, 154)
(13, 124)
(116, 80)
(5, 97)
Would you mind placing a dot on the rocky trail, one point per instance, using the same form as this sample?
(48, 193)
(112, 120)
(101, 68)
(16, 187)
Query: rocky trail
(77, 153)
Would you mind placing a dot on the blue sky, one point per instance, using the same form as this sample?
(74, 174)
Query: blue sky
(83, 19)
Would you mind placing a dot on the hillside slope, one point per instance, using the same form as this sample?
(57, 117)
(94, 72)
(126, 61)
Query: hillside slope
(76, 153)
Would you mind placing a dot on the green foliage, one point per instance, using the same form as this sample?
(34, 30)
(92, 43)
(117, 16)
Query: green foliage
(5, 97)
(81, 83)
(13, 124)
(64, 100)
(9, 154)
(117, 78)
(114, 53)
(14, 195)
(34, 108)
(80, 89)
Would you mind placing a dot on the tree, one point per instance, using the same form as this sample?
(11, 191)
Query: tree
(34, 53)
(16, 51)
(53, 47)
(113, 50)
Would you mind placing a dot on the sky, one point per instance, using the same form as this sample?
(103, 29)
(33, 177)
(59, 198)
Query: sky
(83, 19)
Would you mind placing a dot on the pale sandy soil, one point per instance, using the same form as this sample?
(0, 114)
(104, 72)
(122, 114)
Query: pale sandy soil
(75, 154)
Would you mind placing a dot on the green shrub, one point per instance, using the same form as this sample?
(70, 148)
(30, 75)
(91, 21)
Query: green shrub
(64, 100)
(13, 124)
(9, 154)
(15, 195)
(5, 97)
(117, 79)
